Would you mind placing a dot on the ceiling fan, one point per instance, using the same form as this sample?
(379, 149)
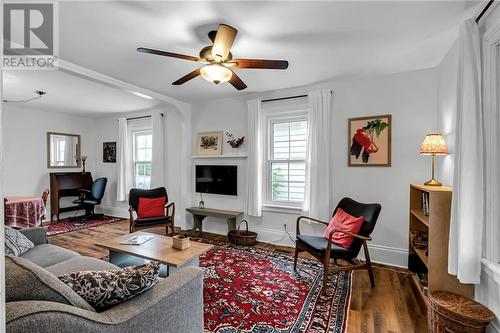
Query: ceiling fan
(218, 60)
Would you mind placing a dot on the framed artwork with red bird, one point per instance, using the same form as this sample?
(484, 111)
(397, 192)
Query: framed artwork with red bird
(369, 142)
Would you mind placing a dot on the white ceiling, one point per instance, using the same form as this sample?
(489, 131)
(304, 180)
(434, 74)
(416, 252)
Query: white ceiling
(321, 40)
(70, 94)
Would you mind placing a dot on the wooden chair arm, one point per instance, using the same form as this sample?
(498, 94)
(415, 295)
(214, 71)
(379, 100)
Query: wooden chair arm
(297, 228)
(363, 238)
(330, 241)
(170, 205)
(131, 211)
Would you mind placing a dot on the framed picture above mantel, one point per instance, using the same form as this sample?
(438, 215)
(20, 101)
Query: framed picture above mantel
(369, 141)
(209, 143)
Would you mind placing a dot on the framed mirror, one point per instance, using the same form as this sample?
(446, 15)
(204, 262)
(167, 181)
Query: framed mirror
(63, 150)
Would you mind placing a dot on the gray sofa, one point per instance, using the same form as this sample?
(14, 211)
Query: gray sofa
(174, 304)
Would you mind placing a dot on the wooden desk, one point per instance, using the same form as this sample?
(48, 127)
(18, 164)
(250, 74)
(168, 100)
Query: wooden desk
(200, 213)
(67, 184)
(159, 248)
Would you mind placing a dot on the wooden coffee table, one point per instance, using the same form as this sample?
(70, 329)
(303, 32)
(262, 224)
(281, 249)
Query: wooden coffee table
(159, 248)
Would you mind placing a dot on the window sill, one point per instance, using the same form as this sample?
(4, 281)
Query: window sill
(491, 268)
(281, 209)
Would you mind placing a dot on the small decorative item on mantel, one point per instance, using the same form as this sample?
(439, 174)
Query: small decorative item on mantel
(180, 242)
(234, 143)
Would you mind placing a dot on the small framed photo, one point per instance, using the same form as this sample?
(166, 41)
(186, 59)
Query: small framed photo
(369, 142)
(109, 152)
(210, 143)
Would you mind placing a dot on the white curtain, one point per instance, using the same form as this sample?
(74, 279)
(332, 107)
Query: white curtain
(467, 215)
(158, 163)
(317, 196)
(255, 158)
(124, 172)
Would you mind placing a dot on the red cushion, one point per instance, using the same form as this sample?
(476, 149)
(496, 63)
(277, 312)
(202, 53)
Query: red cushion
(151, 207)
(342, 220)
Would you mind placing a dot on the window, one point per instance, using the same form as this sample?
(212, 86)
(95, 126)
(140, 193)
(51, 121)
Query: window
(286, 170)
(142, 145)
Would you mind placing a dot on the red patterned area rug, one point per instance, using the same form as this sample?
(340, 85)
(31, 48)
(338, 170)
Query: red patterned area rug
(67, 225)
(251, 290)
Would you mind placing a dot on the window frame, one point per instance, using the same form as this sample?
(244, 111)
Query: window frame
(135, 162)
(270, 120)
(491, 79)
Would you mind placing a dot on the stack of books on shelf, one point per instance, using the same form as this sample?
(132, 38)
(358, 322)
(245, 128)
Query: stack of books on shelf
(420, 239)
(425, 203)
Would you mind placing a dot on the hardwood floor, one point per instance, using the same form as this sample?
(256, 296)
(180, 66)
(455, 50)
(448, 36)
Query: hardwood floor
(389, 307)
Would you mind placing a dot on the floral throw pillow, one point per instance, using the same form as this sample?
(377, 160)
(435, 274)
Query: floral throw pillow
(105, 289)
(15, 242)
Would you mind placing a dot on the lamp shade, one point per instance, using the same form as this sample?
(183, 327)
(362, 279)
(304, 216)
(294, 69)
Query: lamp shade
(216, 73)
(433, 144)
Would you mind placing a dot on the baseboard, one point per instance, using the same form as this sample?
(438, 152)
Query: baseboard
(378, 253)
(387, 255)
(113, 211)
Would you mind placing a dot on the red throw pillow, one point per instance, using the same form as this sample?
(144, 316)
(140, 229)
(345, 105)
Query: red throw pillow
(151, 207)
(344, 221)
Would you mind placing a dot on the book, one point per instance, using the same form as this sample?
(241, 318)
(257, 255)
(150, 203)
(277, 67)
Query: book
(137, 240)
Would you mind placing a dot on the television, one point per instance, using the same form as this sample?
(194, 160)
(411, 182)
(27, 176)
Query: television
(217, 179)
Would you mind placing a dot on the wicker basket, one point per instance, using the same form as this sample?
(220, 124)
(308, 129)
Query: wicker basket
(450, 312)
(242, 237)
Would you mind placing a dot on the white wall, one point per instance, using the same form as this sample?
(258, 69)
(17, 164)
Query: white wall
(410, 98)
(447, 107)
(106, 129)
(25, 169)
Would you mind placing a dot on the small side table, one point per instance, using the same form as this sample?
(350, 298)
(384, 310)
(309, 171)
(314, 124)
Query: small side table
(452, 313)
(200, 213)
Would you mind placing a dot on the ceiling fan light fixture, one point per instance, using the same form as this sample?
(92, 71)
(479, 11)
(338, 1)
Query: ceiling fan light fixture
(216, 73)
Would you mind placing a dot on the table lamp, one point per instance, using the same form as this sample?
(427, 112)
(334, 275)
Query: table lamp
(433, 145)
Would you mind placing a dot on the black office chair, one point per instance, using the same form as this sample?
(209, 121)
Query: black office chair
(324, 249)
(91, 198)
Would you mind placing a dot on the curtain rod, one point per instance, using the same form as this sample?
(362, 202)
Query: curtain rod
(485, 9)
(282, 98)
(141, 117)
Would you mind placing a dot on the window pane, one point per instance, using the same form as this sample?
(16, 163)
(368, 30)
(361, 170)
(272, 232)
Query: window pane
(141, 155)
(287, 178)
(141, 141)
(280, 191)
(142, 175)
(279, 172)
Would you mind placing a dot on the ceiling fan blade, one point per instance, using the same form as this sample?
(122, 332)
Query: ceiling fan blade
(187, 77)
(167, 54)
(211, 35)
(223, 41)
(237, 82)
(259, 63)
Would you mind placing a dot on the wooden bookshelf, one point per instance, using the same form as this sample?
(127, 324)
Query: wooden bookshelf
(434, 260)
